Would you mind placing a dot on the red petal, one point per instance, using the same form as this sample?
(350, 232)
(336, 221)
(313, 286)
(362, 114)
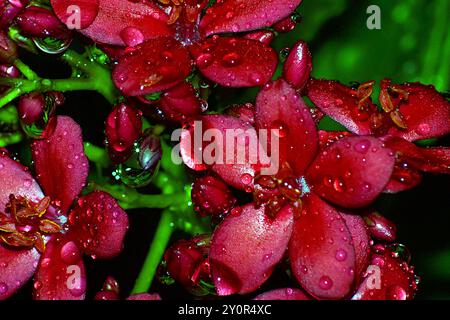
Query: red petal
(127, 23)
(245, 15)
(283, 294)
(352, 172)
(245, 248)
(298, 65)
(361, 241)
(403, 179)
(265, 37)
(426, 112)
(60, 162)
(15, 179)
(180, 103)
(61, 272)
(88, 10)
(154, 66)
(16, 268)
(145, 296)
(321, 250)
(99, 225)
(279, 107)
(435, 160)
(235, 62)
(340, 103)
(397, 280)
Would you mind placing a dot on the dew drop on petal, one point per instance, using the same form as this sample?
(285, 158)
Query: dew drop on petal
(325, 283)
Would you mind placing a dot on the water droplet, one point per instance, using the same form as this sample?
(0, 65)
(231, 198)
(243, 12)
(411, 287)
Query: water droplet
(362, 146)
(280, 128)
(246, 178)
(341, 255)
(339, 185)
(27, 183)
(396, 292)
(204, 60)
(52, 45)
(231, 60)
(3, 288)
(325, 283)
(132, 36)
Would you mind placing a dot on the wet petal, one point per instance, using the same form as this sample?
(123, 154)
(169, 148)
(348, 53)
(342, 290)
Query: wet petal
(321, 250)
(245, 15)
(99, 225)
(298, 65)
(16, 268)
(352, 172)
(342, 104)
(235, 62)
(67, 9)
(425, 111)
(145, 296)
(180, 103)
(245, 248)
(154, 66)
(61, 272)
(283, 294)
(279, 107)
(60, 162)
(15, 179)
(361, 241)
(127, 23)
(388, 277)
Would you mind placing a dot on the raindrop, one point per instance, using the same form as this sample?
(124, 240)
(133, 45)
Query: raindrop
(341, 255)
(362, 146)
(231, 60)
(3, 288)
(325, 283)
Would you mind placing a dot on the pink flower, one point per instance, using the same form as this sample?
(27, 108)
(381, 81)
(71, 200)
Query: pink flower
(44, 232)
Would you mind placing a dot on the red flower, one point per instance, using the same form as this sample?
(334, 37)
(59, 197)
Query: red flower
(328, 249)
(411, 112)
(111, 291)
(47, 235)
(9, 9)
(169, 39)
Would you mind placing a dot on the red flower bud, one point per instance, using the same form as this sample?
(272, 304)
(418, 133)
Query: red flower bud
(8, 48)
(9, 71)
(211, 196)
(285, 25)
(180, 103)
(123, 127)
(187, 261)
(42, 23)
(31, 107)
(380, 227)
(110, 290)
(9, 9)
(298, 65)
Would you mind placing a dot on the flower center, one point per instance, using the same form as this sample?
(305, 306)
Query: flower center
(277, 191)
(23, 225)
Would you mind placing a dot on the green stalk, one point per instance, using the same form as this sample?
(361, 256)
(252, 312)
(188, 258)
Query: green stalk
(155, 254)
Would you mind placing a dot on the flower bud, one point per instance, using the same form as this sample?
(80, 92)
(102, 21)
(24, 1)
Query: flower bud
(380, 227)
(186, 262)
(244, 112)
(285, 25)
(110, 290)
(8, 71)
(123, 127)
(180, 103)
(41, 23)
(8, 48)
(298, 65)
(211, 196)
(9, 9)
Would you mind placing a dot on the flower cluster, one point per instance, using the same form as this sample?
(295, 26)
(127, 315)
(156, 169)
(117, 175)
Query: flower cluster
(159, 63)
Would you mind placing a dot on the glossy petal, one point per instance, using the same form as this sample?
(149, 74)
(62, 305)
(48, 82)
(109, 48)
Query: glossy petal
(99, 225)
(235, 62)
(403, 179)
(298, 65)
(16, 268)
(361, 241)
(380, 227)
(279, 107)
(340, 103)
(154, 66)
(265, 37)
(245, 15)
(321, 250)
(65, 10)
(397, 280)
(60, 162)
(127, 23)
(352, 172)
(245, 248)
(283, 294)
(61, 272)
(180, 103)
(426, 113)
(435, 160)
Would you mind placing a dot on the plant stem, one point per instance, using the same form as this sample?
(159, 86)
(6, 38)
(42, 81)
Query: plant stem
(155, 254)
(25, 70)
(97, 155)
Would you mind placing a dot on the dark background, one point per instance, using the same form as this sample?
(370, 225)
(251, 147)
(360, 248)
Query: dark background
(412, 45)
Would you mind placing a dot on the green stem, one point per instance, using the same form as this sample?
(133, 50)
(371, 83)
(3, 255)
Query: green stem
(25, 70)
(97, 155)
(155, 254)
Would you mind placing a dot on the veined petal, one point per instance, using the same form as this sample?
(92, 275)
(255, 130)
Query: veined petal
(352, 172)
(245, 15)
(245, 248)
(60, 162)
